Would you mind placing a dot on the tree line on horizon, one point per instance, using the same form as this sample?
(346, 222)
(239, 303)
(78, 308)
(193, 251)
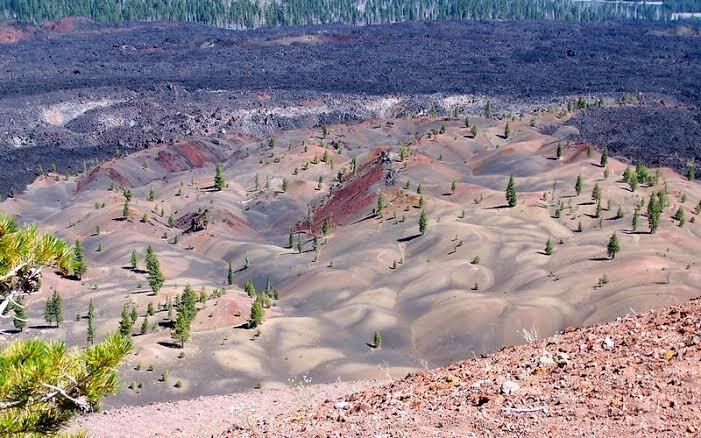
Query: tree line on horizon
(258, 13)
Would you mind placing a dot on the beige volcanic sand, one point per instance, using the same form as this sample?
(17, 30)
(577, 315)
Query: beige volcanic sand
(322, 327)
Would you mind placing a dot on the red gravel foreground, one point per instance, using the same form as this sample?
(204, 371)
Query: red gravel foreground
(638, 376)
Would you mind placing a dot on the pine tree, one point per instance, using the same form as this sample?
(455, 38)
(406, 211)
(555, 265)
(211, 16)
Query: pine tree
(596, 192)
(377, 339)
(188, 303)
(181, 331)
(33, 369)
(423, 222)
(380, 204)
(680, 215)
(125, 210)
(150, 310)
(134, 260)
(125, 322)
(558, 152)
(453, 186)
(578, 185)
(474, 130)
(133, 314)
(250, 288)
(291, 241)
(144, 325)
(257, 312)
(284, 184)
(326, 226)
(598, 209)
(633, 182)
(620, 213)
(79, 266)
(19, 319)
(613, 246)
(151, 194)
(654, 213)
(507, 130)
(691, 173)
(636, 220)
(604, 157)
(91, 323)
(548, 247)
(230, 275)
(53, 312)
(511, 195)
(153, 266)
(219, 181)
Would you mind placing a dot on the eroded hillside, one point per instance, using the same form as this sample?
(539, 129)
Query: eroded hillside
(477, 277)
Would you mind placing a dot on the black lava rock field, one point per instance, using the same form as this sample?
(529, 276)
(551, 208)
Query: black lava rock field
(75, 91)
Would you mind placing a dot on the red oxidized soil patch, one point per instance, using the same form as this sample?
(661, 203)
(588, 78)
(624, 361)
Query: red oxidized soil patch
(11, 32)
(105, 170)
(193, 154)
(578, 149)
(66, 25)
(351, 198)
(183, 156)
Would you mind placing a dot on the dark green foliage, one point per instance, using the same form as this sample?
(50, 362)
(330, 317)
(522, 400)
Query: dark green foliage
(153, 266)
(134, 260)
(380, 204)
(219, 181)
(80, 266)
(578, 185)
(144, 325)
(326, 226)
(250, 288)
(91, 323)
(230, 275)
(257, 312)
(654, 213)
(126, 324)
(596, 192)
(558, 152)
(377, 339)
(613, 246)
(680, 215)
(511, 195)
(604, 157)
(34, 369)
(636, 220)
(423, 222)
(181, 331)
(19, 318)
(620, 213)
(549, 247)
(53, 312)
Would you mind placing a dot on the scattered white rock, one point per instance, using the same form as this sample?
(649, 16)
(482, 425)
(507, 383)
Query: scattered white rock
(342, 405)
(509, 387)
(608, 343)
(546, 361)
